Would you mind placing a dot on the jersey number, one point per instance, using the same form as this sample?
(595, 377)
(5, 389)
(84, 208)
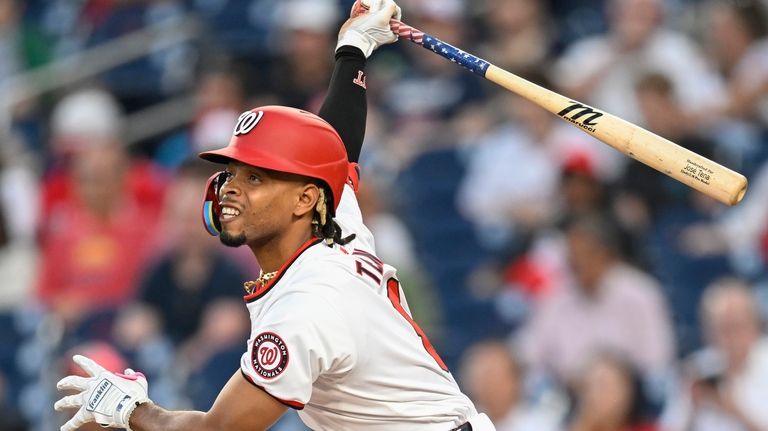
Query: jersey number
(371, 266)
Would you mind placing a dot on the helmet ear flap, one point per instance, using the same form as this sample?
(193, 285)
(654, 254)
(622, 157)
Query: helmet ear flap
(211, 203)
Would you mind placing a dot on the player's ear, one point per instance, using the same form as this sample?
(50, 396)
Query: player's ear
(307, 199)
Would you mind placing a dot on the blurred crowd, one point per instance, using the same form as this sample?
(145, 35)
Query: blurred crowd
(567, 286)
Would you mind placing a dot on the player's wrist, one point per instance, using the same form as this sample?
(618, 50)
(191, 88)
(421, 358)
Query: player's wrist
(356, 39)
(350, 52)
(133, 415)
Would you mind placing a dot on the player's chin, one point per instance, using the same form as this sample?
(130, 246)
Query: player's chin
(232, 239)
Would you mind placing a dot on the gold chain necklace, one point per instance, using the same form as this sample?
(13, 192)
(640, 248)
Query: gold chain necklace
(264, 277)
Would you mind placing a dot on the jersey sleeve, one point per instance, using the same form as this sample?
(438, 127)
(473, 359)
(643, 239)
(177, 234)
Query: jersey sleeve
(350, 219)
(300, 339)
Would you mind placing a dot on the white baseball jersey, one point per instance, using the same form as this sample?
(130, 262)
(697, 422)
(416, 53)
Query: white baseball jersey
(332, 336)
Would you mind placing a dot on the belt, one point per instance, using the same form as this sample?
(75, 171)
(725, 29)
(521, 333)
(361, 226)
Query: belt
(466, 426)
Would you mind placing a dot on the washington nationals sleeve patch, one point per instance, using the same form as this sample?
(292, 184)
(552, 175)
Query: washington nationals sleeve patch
(269, 355)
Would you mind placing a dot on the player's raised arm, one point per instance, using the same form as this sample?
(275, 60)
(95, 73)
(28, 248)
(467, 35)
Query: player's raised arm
(345, 106)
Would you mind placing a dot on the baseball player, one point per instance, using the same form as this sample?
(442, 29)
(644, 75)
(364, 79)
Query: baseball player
(331, 332)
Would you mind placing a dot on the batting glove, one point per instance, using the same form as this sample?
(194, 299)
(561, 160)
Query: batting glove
(369, 30)
(105, 398)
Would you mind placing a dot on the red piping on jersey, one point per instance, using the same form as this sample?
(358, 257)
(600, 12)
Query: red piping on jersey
(258, 293)
(292, 404)
(393, 293)
(353, 176)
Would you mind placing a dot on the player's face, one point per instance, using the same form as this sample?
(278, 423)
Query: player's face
(257, 204)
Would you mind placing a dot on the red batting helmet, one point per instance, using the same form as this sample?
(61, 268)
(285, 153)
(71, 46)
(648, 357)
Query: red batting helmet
(288, 140)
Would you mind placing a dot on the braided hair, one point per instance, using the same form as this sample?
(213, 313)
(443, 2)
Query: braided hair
(325, 227)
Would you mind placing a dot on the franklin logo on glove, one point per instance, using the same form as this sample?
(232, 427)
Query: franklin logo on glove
(100, 391)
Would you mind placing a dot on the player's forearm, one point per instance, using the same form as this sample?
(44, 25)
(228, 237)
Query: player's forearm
(149, 417)
(345, 106)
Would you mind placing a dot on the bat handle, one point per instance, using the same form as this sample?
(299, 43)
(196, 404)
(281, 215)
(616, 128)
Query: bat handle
(470, 62)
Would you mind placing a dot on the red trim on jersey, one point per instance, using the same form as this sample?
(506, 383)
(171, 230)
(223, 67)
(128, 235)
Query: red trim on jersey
(292, 404)
(263, 290)
(353, 176)
(393, 293)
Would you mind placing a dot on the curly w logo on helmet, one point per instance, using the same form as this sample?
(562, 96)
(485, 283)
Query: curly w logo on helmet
(247, 121)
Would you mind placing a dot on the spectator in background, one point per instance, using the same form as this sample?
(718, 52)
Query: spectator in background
(18, 218)
(138, 335)
(504, 211)
(520, 37)
(537, 144)
(609, 305)
(601, 70)
(301, 72)
(736, 37)
(543, 268)
(192, 272)
(610, 397)
(493, 378)
(659, 211)
(219, 101)
(738, 41)
(99, 212)
(665, 116)
(432, 88)
(742, 232)
(208, 356)
(726, 383)
(581, 190)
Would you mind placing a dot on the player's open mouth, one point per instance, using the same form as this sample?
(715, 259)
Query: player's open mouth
(229, 213)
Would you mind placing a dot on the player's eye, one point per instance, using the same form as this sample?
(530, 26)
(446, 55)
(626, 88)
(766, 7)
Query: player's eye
(254, 178)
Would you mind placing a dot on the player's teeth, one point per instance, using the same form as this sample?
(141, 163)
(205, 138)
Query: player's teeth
(231, 211)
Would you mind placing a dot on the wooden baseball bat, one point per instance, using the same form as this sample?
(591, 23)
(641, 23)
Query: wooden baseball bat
(692, 169)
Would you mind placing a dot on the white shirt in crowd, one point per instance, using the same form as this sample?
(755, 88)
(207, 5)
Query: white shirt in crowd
(666, 52)
(749, 391)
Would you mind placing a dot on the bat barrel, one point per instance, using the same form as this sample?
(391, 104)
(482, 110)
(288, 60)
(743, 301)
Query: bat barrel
(650, 149)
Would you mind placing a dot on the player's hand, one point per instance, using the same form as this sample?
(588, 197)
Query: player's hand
(368, 26)
(105, 398)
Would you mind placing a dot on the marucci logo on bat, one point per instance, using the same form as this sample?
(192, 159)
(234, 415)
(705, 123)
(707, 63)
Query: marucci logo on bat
(577, 111)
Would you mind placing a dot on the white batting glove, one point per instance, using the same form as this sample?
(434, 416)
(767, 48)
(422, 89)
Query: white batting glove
(369, 30)
(105, 398)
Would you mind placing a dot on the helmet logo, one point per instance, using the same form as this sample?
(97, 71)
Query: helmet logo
(247, 121)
